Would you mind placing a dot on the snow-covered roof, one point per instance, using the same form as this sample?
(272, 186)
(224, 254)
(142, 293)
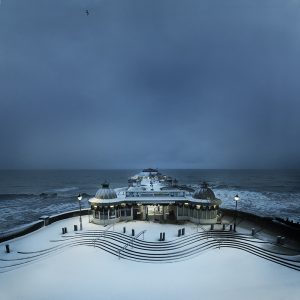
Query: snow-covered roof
(105, 192)
(152, 190)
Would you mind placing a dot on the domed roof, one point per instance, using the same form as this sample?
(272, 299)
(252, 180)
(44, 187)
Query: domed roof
(204, 193)
(105, 192)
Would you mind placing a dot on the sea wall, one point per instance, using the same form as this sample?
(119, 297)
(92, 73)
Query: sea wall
(267, 223)
(68, 214)
(28, 228)
(20, 231)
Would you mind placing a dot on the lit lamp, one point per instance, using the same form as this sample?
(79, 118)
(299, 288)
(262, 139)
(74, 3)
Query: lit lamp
(236, 199)
(79, 197)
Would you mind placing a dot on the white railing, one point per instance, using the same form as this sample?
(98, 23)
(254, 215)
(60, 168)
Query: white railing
(208, 235)
(102, 234)
(131, 242)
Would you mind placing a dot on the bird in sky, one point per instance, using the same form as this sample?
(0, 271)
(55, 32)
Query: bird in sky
(87, 12)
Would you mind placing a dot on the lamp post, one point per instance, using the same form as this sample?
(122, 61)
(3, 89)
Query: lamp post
(79, 197)
(236, 199)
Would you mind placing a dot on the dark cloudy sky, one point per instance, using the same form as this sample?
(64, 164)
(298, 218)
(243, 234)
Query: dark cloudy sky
(160, 83)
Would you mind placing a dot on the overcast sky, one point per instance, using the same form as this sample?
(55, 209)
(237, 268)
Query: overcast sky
(157, 83)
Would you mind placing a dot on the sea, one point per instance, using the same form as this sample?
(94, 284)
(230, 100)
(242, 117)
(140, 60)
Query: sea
(27, 195)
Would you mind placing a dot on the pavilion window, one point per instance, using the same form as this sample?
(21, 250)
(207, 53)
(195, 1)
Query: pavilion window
(104, 214)
(179, 209)
(112, 213)
(185, 211)
(195, 213)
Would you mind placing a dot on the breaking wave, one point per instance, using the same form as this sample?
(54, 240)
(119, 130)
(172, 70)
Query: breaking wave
(284, 205)
(65, 189)
(16, 196)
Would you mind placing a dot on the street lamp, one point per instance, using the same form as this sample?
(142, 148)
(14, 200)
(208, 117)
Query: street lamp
(79, 197)
(236, 199)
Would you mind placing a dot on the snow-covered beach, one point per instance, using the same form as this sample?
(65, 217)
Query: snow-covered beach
(77, 272)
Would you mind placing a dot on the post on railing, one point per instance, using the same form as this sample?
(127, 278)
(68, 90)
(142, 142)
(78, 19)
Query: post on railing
(278, 239)
(131, 242)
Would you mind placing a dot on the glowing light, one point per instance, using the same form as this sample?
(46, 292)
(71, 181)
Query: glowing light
(236, 197)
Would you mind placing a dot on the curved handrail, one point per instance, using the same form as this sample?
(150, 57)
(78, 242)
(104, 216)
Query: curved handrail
(103, 233)
(133, 238)
(179, 249)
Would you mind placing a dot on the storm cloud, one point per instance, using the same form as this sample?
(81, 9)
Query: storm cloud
(168, 84)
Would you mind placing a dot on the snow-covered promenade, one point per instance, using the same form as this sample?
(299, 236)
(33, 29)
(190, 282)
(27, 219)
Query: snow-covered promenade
(105, 263)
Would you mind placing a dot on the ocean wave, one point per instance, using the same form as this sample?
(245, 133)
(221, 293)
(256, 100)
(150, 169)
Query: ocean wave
(48, 195)
(15, 196)
(65, 189)
(221, 186)
(263, 203)
(43, 195)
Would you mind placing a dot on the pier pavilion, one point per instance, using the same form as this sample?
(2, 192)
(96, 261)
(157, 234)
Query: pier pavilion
(153, 198)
